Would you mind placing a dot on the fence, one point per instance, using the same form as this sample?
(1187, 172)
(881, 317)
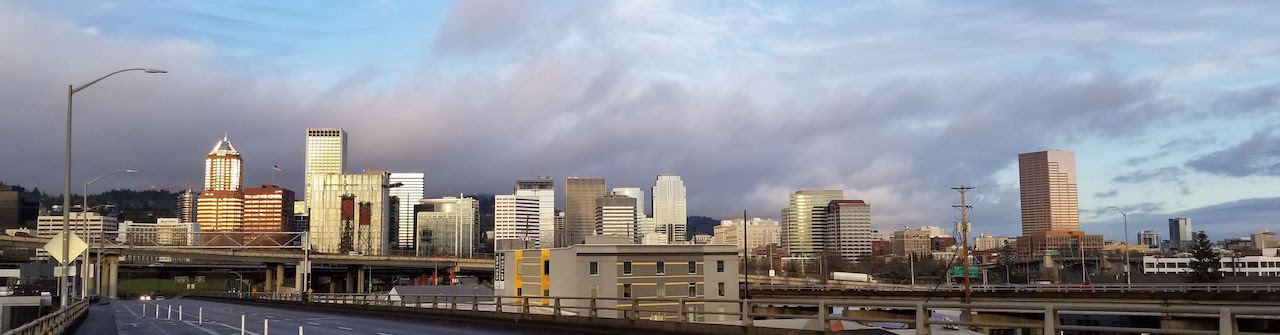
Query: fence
(58, 322)
(756, 313)
(1102, 288)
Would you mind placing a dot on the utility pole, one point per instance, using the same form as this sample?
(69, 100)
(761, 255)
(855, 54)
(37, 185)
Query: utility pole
(746, 258)
(964, 249)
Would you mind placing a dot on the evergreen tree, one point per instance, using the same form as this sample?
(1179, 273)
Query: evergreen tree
(1205, 263)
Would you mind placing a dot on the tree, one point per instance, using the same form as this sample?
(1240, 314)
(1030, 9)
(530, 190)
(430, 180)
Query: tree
(1205, 263)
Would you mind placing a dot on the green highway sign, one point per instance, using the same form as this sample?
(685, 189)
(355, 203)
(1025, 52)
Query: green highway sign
(958, 271)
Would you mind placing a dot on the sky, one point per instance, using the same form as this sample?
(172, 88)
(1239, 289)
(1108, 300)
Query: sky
(1172, 110)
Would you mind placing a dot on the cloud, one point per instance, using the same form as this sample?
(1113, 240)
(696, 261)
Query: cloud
(1259, 155)
(1108, 194)
(1168, 174)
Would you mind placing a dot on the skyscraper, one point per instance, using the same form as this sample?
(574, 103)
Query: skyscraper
(1149, 238)
(1047, 181)
(221, 206)
(412, 189)
(187, 206)
(670, 214)
(805, 222)
(326, 153)
(615, 215)
(1180, 233)
(268, 209)
(849, 229)
(516, 221)
(544, 190)
(580, 208)
(349, 212)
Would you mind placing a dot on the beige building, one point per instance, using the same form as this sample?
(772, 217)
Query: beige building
(1265, 240)
(624, 271)
(988, 242)
(848, 229)
(670, 209)
(804, 222)
(99, 226)
(1047, 181)
(580, 208)
(760, 233)
(268, 209)
(137, 233)
(349, 213)
(911, 241)
(326, 153)
(172, 231)
(616, 216)
(220, 207)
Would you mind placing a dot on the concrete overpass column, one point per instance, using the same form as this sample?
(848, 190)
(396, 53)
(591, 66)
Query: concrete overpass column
(112, 266)
(269, 283)
(279, 283)
(350, 281)
(360, 278)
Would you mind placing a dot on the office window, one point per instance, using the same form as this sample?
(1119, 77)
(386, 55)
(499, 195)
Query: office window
(720, 286)
(593, 268)
(662, 290)
(693, 267)
(546, 293)
(693, 290)
(546, 267)
(662, 268)
(626, 268)
(626, 290)
(519, 291)
(719, 266)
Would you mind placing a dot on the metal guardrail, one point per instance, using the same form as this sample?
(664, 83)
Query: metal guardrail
(57, 322)
(1103, 288)
(913, 314)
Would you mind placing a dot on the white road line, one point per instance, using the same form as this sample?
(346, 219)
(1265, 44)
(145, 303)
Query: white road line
(160, 329)
(313, 323)
(193, 324)
(383, 334)
(344, 328)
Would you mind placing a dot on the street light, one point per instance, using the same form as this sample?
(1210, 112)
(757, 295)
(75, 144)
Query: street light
(66, 183)
(1128, 278)
(84, 216)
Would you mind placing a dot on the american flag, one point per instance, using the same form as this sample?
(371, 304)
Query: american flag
(277, 168)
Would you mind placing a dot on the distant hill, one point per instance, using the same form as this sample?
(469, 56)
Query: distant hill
(701, 225)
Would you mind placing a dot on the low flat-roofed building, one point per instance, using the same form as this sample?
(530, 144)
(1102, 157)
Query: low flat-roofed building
(1265, 265)
(623, 271)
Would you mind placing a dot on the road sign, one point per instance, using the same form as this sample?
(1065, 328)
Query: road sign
(958, 271)
(54, 247)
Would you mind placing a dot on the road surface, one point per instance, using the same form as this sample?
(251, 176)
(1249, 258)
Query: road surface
(222, 318)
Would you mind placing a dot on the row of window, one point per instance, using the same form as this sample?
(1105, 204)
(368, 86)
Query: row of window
(661, 268)
(662, 290)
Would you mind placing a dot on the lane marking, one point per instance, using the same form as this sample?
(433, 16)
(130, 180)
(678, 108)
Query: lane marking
(344, 328)
(313, 323)
(193, 325)
(383, 334)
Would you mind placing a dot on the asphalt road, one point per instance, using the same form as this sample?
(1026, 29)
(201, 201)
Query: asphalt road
(222, 318)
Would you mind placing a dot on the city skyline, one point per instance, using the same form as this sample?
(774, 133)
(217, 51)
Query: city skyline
(1165, 132)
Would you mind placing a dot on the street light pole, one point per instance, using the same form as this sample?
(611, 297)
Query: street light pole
(84, 216)
(66, 185)
(1128, 277)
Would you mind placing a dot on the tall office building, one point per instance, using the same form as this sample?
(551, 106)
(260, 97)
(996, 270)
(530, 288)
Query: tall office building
(516, 221)
(634, 193)
(580, 208)
(805, 221)
(349, 213)
(411, 190)
(326, 153)
(18, 209)
(760, 233)
(670, 214)
(544, 190)
(221, 206)
(268, 209)
(1149, 238)
(1047, 181)
(849, 229)
(616, 216)
(187, 205)
(1180, 235)
(446, 226)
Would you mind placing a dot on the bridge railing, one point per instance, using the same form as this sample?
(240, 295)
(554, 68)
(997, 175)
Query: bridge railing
(57, 322)
(1102, 288)
(919, 314)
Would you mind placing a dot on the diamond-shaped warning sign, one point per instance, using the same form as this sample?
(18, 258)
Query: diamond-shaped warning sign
(54, 247)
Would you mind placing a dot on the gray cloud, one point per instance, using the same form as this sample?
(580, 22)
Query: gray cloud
(1259, 155)
(1168, 174)
(1107, 194)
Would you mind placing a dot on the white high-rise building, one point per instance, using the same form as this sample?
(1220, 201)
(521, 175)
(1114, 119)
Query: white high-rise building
(634, 192)
(1149, 238)
(543, 189)
(412, 189)
(616, 216)
(669, 209)
(326, 153)
(516, 218)
(804, 222)
(349, 213)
